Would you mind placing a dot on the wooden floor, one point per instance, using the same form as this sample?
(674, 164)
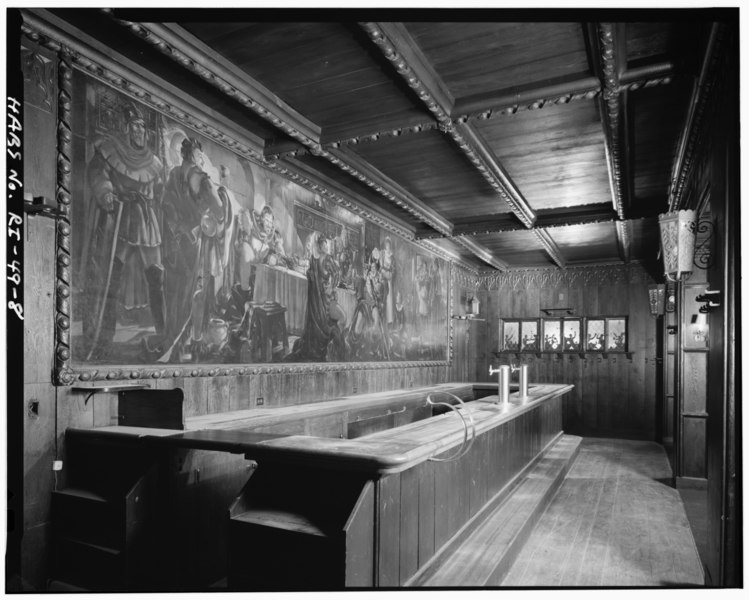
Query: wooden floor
(614, 522)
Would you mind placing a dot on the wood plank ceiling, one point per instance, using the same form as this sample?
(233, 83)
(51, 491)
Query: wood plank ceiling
(510, 143)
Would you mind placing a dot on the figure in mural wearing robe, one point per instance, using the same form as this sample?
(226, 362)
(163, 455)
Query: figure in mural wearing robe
(345, 257)
(126, 180)
(436, 290)
(199, 218)
(388, 271)
(324, 321)
(366, 335)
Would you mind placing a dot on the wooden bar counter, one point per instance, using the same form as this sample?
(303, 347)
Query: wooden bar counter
(374, 510)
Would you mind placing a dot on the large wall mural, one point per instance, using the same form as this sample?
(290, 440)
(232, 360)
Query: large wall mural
(185, 252)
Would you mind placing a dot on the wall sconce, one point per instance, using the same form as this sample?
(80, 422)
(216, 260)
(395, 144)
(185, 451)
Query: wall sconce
(678, 233)
(472, 310)
(657, 297)
(710, 298)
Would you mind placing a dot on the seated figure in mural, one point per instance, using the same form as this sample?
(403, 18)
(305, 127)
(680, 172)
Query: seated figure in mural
(259, 242)
(124, 237)
(198, 217)
(324, 321)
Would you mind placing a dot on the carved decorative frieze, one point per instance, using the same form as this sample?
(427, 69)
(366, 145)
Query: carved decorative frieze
(516, 279)
(466, 278)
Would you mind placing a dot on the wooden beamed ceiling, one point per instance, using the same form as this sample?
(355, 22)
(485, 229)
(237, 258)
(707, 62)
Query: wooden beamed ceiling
(467, 134)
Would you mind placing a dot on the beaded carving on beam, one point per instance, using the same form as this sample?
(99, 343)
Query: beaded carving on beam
(717, 63)
(612, 102)
(486, 172)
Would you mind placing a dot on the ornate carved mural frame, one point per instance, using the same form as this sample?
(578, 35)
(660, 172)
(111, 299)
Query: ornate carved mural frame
(77, 52)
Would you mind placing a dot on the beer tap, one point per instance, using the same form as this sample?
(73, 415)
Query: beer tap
(503, 387)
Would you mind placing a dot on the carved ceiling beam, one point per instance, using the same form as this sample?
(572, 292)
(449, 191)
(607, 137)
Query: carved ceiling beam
(695, 117)
(501, 102)
(332, 189)
(624, 239)
(367, 132)
(551, 247)
(401, 50)
(560, 91)
(645, 76)
(608, 64)
(190, 52)
(187, 50)
(477, 150)
(478, 250)
(397, 45)
(366, 173)
(545, 218)
(276, 149)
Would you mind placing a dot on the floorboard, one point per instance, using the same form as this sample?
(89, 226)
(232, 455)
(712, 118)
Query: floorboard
(615, 522)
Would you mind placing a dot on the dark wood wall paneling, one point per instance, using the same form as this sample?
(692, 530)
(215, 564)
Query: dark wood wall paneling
(39, 427)
(614, 395)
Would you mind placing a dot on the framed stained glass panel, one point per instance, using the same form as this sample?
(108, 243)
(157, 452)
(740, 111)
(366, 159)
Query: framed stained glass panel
(616, 334)
(552, 335)
(571, 335)
(595, 333)
(509, 340)
(529, 341)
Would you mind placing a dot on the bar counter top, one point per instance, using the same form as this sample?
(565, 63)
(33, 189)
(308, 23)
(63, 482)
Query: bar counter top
(388, 451)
